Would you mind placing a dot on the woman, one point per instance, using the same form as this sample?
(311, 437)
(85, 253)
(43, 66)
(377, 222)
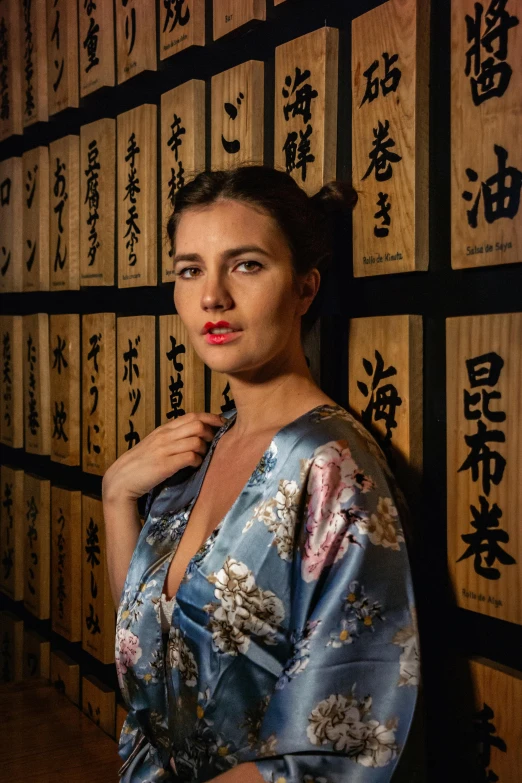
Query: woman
(265, 626)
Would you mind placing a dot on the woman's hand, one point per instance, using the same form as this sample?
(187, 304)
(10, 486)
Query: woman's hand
(163, 452)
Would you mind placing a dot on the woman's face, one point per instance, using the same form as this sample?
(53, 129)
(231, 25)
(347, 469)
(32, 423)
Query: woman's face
(232, 263)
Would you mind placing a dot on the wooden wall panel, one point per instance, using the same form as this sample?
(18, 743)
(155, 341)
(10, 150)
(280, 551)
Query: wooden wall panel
(12, 380)
(137, 226)
(135, 38)
(63, 86)
(10, 69)
(486, 105)
(66, 563)
(97, 203)
(35, 219)
(182, 150)
(37, 550)
(99, 703)
(484, 462)
(64, 369)
(12, 532)
(390, 114)
(181, 24)
(182, 373)
(98, 615)
(237, 116)
(221, 400)
(98, 392)
(34, 54)
(11, 210)
(37, 387)
(135, 367)
(231, 14)
(64, 212)
(37, 656)
(96, 45)
(65, 675)
(306, 108)
(11, 647)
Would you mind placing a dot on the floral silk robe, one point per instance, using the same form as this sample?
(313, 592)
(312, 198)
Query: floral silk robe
(293, 641)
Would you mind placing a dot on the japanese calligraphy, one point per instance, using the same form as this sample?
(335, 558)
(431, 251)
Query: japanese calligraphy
(234, 145)
(130, 25)
(299, 94)
(60, 414)
(177, 179)
(485, 542)
(4, 71)
(92, 550)
(388, 83)
(175, 14)
(7, 506)
(131, 189)
(61, 593)
(92, 358)
(5, 199)
(500, 192)
(32, 535)
(32, 359)
(228, 404)
(55, 38)
(92, 198)
(175, 386)
(484, 731)
(131, 372)
(28, 59)
(60, 193)
(383, 399)
(90, 42)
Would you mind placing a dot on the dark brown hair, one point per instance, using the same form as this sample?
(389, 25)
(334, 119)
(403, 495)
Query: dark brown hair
(310, 225)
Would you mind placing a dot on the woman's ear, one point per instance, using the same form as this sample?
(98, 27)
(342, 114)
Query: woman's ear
(309, 286)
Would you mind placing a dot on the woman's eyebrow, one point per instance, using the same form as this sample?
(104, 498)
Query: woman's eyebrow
(235, 251)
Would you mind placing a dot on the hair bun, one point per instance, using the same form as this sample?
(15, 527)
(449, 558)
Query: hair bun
(336, 199)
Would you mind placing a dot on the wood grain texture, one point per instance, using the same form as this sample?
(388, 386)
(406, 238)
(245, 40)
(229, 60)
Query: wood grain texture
(12, 532)
(484, 462)
(34, 54)
(36, 521)
(98, 203)
(65, 675)
(35, 219)
(63, 86)
(99, 703)
(182, 373)
(98, 392)
(182, 151)
(486, 106)
(180, 25)
(11, 69)
(96, 45)
(220, 395)
(37, 655)
(11, 381)
(37, 387)
(237, 116)
(98, 615)
(228, 15)
(64, 370)
(305, 108)
(135, 38)
(390, 111)
(64, 214)
(135, 368)
(12, 648)
(137, 225)
(11, 211)
(66, 563)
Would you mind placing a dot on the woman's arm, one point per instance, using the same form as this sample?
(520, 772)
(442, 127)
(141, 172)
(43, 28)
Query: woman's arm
(243, 773)
(122, 529)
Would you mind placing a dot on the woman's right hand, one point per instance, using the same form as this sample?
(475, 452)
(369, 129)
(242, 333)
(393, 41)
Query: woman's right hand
(163, 452)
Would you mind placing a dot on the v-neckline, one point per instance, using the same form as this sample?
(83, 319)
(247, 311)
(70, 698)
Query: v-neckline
(205, 464)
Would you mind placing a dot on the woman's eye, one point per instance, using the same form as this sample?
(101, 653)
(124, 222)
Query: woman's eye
(181, 272)
(256, 264)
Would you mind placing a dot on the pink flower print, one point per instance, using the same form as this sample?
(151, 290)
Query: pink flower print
(128, 652)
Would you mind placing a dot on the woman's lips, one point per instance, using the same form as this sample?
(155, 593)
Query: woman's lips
(219, 339)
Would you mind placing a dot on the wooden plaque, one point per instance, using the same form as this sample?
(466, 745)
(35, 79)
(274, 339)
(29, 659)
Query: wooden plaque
(35, 219)
(390, 104)
(36, 520)
(385, 387)
(306, 108)
(97, 203)
(182, 373)
(99, 703)
(135, 367)
(37, 387)
(237, 116)
(12, 532)
(182, 150)
(98, 615)
(66, 563)
(34, 62)
(65, 675)
(37, 656)
(96, 45)
(135, 38)
(10, 69)
(11, 648)
(64, 369)
(484, 462)
(486, 107)
(497, 731)
(10, 222)
(231, 14)
(137, 197)
(221, 400)
(181, 24)
(98, 392)
(62, 55)
(12, 409)
(64, 209)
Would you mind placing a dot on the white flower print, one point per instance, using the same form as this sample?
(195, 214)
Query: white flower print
(180, 657)
(409, 663)
(279, 514)
(265, 467)
(301, 653)
(244, 609)
(344, 722)
(128, 652)
(383, 527)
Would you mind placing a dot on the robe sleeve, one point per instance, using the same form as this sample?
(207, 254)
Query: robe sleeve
(343, 705)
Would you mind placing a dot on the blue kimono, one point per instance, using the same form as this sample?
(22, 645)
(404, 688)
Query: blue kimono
(293, 641)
